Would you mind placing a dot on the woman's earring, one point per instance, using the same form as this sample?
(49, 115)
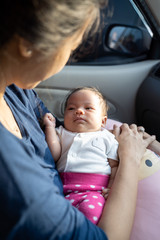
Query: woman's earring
(25, 48)
(29, 53)
(26, 52)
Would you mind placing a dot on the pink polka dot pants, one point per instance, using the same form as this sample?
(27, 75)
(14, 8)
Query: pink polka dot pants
(83, 190)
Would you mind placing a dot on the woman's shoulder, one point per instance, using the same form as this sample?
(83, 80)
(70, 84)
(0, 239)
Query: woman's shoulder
(20, 94)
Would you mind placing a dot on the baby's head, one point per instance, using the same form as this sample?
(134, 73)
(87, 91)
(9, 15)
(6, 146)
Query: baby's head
(85, 110)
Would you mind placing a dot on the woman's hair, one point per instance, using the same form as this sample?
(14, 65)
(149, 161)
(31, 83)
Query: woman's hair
(103, 101)
(46, 23)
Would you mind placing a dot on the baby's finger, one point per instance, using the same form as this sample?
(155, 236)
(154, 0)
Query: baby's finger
(50, 117)
(106, 196)
(105, 191)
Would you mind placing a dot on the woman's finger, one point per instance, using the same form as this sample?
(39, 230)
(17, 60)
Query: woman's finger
(125, 128)
(116, 131)
(149, 140)
(133, 127)
(141, 129)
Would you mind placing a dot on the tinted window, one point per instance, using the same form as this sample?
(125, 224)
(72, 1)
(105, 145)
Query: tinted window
(95, 50)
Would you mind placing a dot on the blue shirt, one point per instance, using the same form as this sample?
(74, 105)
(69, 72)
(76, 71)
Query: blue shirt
(32, 205)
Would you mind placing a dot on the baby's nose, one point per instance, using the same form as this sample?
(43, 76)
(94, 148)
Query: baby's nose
(79, 111)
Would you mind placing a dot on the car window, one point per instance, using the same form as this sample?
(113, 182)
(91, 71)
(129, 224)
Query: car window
(122, 21)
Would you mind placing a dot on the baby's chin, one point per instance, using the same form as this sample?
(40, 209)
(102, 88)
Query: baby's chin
(81, 129)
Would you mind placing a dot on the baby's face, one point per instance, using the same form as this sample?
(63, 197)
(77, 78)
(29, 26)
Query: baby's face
(84, 112)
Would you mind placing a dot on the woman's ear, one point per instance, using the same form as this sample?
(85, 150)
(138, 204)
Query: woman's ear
(25, 48)
(104, 120)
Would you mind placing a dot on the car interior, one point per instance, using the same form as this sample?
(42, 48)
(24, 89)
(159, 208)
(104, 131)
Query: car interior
(129, 79)
(123, 62)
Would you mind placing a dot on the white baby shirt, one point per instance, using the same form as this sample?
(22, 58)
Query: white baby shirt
(86, 152)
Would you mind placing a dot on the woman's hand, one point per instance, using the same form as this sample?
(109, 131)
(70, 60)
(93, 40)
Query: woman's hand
(153, 146)
(121, 201)
(131, 142)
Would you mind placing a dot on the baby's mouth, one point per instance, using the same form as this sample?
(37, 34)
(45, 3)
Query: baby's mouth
(79, 119)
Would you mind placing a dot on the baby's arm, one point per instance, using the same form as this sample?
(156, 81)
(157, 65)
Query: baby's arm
(51, 136)
(114, 165)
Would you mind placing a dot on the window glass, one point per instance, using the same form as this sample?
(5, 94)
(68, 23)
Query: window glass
(97, 49)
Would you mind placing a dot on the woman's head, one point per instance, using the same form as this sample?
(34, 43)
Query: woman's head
(46, 23)
(38, 36)
(85, 110)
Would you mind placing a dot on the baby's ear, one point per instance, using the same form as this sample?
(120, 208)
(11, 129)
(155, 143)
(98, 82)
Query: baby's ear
(104, 120)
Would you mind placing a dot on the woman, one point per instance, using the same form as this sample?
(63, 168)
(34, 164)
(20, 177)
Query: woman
(36, 40)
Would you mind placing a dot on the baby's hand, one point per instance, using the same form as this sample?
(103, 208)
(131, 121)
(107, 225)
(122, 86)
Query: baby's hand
(105, 192)
(49, 120)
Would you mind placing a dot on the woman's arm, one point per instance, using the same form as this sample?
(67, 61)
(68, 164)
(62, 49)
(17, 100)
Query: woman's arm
(51, 136)
(118, 213)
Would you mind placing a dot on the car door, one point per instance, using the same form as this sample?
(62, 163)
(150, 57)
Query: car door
(117, 73)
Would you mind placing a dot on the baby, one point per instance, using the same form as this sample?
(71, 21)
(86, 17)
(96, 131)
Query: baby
(84, 151)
